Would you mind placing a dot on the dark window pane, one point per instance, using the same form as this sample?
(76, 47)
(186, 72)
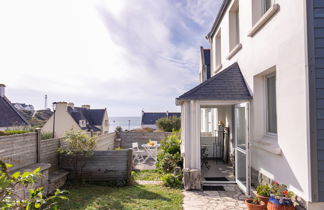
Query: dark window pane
(271, 105)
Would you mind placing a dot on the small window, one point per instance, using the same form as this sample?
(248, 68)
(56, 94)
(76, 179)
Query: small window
(218, 50)
(234, 26)
(266, 4)
(271, 102)
(82, 123)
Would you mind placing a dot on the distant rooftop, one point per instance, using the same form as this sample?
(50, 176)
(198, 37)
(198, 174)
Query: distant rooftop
(150, 118)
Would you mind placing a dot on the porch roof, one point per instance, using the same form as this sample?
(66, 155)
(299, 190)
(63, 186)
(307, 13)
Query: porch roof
(229, 84)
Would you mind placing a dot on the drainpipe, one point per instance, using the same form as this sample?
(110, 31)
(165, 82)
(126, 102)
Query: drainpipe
(54, 119)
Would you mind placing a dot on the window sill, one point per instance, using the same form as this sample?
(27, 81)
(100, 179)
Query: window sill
(264, 19)
(218, 68)
(269, 144)
(234, 51)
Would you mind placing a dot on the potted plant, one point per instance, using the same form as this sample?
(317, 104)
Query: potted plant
(255, 204)
(263, 193)
(280, 198)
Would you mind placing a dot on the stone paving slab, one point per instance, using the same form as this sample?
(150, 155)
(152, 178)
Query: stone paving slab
(231, 198)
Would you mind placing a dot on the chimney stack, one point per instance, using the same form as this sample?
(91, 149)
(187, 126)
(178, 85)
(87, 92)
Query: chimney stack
(71, 104)
(86, 106)
(60, 106)
(2, 90)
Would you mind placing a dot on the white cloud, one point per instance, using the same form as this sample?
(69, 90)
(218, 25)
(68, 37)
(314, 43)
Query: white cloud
(108, 53)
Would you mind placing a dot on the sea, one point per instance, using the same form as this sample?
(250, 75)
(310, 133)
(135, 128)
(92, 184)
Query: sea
(127, 123)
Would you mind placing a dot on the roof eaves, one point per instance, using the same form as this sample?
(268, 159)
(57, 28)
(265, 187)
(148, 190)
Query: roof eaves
(219, 18)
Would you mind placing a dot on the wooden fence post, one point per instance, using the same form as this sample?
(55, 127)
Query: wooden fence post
(129, 163)
(38, 149)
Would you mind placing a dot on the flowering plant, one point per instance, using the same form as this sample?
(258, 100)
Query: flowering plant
(280, 193)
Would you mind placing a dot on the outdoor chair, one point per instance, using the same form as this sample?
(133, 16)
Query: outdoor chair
(137, 153)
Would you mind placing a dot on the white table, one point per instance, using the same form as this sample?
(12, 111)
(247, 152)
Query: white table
(151, 151)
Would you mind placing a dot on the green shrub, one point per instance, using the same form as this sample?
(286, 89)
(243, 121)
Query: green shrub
(13, 132)
(263, 190)
(46, 135)
(169, 124)
(169, 155)
(173, 181)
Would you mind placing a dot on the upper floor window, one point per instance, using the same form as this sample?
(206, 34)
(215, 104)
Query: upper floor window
(271, 101)
(82, 123)
(266, 4)
(218, 50)
(234, 25)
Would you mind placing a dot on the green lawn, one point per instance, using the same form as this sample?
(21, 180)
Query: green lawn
(147, 175)
(129, 197)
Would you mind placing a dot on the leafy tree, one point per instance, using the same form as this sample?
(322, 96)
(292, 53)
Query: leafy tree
(35, 200)
(78, 145)
(169, 124)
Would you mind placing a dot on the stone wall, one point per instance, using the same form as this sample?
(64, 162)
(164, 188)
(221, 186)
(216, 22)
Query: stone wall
(127, 138)
(106, 142)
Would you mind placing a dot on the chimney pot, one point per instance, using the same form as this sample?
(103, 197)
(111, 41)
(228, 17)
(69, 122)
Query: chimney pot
(2, 90)
(86, 106)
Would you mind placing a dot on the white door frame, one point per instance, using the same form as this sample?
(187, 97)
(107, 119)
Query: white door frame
(247, 187)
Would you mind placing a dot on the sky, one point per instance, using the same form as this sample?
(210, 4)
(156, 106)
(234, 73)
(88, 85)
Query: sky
(125, 55)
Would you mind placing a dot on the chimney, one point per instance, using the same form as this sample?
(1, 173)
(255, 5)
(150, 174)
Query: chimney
(71, 104)
(2, 90)
(60, 106)
(86, 106)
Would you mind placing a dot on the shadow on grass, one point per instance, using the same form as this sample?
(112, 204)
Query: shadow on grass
(128, 197)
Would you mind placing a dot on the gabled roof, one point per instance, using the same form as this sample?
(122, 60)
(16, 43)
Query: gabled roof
(149, 118)
(92, 117)
(229, 84)
(9, 115)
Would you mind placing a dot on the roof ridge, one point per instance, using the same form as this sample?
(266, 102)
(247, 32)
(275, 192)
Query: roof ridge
(209, 80)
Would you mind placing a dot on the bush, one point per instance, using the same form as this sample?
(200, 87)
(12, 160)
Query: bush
(173, 181)
(13, 132)
(169, 124)
(169, 155)
(46, 135)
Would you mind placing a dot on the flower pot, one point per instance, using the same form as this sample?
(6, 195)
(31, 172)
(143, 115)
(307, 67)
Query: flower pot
(274, 204)
(263, 198)
(251, 206)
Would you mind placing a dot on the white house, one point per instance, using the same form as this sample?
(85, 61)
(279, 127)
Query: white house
(66, 117)
(267, 89)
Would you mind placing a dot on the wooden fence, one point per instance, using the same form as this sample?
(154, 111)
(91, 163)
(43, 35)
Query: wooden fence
(105, 142)
(102, 165)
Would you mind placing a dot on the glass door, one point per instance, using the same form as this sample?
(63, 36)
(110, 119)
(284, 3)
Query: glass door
(242, 165)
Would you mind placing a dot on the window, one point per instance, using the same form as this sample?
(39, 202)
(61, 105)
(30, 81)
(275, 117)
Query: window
(82, 123)
(218, 50)
(266, 4)
(270, 81)
(234, 26)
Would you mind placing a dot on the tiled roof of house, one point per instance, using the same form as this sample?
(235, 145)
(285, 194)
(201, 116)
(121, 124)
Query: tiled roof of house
(92, 117)
(9, 116)
(229, 84)
(149, 118)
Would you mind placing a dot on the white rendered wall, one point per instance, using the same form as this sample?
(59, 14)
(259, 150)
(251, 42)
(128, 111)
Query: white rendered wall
(280, 43)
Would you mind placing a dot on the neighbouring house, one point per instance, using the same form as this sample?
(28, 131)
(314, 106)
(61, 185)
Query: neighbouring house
(66, 117)
(23, 106)
(149, 118)
(259, 117)
(10, 118)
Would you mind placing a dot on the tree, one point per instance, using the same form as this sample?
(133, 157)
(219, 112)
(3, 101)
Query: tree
(169, 124)
(36, 200)
(77, 146)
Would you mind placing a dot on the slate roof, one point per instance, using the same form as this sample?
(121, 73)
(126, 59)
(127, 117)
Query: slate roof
(9, 115)
(229, 84)
(92, 117)
(149, 118)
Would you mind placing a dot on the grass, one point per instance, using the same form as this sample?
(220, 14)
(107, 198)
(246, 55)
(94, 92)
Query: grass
(148, 175)
(130, 197)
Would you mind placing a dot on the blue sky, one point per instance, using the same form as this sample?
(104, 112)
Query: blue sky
(121, 54)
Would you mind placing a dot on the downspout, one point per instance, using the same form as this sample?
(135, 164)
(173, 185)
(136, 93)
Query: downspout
(54, 107)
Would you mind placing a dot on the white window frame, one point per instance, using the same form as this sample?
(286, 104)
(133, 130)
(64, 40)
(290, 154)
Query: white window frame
(264, 8)
(234, 25)
(218, 51)
(267, 104)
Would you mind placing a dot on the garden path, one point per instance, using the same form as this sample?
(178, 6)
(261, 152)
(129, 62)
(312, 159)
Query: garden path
(230, 199)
